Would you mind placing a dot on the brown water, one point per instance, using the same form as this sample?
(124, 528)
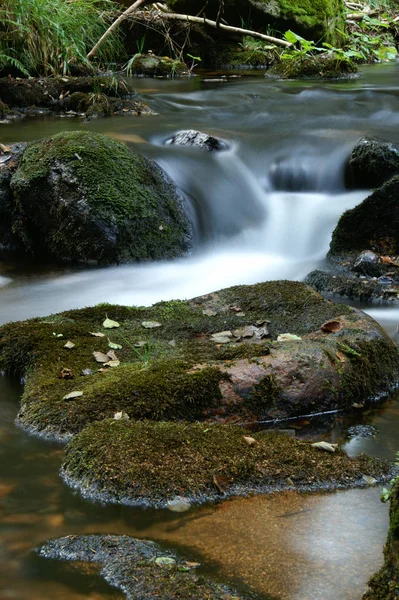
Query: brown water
(289, 546)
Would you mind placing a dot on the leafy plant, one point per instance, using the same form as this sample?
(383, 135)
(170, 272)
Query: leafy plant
(387, 492)
(53, 36)
(195, 61)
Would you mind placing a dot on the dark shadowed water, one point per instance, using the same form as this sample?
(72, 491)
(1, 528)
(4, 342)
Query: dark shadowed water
(264, 209)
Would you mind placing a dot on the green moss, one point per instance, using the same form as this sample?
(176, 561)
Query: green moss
(324, 17)
(322, 66)
(84, 196)
(127, 460)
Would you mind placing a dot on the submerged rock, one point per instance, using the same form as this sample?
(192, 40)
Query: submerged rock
(140, 569)
(371, 163)
(200, 377)
(82, 196)
(190, 137)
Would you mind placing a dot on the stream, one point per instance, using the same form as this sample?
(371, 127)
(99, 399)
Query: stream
(264, 209)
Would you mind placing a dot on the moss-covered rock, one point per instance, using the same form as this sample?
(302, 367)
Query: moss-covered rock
(150, 463)
(371, 163)
(323, 66)
(81, 196)
(9, 161)
(314, 19)
(372, 225)
(177, 370)
(150, 65)
(141, 569)
(384, 585)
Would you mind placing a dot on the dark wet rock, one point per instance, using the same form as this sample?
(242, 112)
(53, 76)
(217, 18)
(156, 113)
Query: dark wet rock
(10, 157)
(148, 464)
(140, 569)
(197, 378)
(384, 584)
(368, 263)
(371, 163)
(98, 96)
(198, 139)
(344, 283)
(362, 431)
(372, 225)
(82, 196)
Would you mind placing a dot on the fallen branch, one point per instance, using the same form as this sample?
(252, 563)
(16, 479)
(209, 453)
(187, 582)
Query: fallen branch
(204, 21)
(116, 24)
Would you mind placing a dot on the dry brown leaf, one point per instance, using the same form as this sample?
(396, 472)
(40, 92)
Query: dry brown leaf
(331, 326)
(249, 440)
(101, 357)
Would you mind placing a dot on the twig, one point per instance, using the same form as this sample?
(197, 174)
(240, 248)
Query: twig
(116, 24)
(204, 21)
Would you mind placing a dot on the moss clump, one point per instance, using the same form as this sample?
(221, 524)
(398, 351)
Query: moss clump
(157, 66)
(127, 461)
(320, 67)
(132, 566)
(83, 196)
(372, 225)
(384, 585)
(325, 18)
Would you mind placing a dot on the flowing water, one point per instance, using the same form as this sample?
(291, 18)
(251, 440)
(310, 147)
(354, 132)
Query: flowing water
(263, 209)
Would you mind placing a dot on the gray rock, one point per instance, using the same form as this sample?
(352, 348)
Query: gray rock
(368, 263)
(190, 137)
(371, 163)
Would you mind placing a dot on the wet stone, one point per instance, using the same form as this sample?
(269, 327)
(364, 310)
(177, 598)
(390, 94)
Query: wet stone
(362, 431)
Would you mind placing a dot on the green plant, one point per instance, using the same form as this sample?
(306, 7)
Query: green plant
(53, 36)
(387, 492)
(194, 62)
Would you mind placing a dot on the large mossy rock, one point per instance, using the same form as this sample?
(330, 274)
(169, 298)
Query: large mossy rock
(82, 196)
(217, 358)
(140, 568)
(314, 19)
(372, 225)
(371, 163)
(384, 585)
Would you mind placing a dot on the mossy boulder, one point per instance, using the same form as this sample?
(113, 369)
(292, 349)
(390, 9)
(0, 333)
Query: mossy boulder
(323, 66)
(384, 585)
(151, 65)
(314, 19)
(372, 225)
(140, 568)
(371, 163)
(148, 463)
(217, 358)
(82, 196)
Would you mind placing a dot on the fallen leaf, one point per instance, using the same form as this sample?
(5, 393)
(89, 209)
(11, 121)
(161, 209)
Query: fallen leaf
(97, 334)
(65, 374)
(112, 363)
(140, 344)
(221, 482)
(331, 326)
(151, 324)
(288, 337)
(72, 395)
(357, 405)
(326, 446)
(69, 345)
(249, 440)
(172, 343)
(235, 308)
(113, 345)
(121, 416)
(86, 372)
(101, 357)
(341, 356)
(164, 561)
(208, 312)
(111, 354)
(58, 335)
(110, 324)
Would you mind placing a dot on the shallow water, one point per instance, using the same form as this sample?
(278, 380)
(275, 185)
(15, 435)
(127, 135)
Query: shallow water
(262, 210)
